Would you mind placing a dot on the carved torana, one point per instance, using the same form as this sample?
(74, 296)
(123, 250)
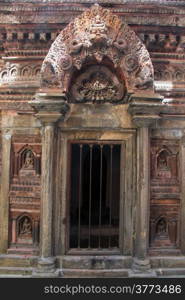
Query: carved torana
(97, 35)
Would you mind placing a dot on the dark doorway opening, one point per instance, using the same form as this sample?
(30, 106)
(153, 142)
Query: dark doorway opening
(95, 195)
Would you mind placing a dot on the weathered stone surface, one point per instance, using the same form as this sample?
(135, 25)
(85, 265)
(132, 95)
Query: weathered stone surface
(114, 74)
(94, 36)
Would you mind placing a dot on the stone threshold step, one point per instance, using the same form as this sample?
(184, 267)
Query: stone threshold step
(73, 273)
(95, 262)
(17, 261)
(14, 276)
(19, 256)
(170, 272)
(16, 270)
(170, 262)
(22, 251)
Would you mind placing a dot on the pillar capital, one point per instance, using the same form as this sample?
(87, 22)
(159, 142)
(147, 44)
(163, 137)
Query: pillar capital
(145, 108)
(50, 107)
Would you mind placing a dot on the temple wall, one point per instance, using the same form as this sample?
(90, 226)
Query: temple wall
(35, 140)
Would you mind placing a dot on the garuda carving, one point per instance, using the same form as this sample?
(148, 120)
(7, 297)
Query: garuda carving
(97, 37)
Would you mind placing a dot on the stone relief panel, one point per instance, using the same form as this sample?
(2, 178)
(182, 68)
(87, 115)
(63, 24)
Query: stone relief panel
(163, 42)
(25, 194)
(169, 72)
(20, 72)
(164, 162)
(95, 36)
(97, 84)
(164, 225)
(24, 230)
(165, 195)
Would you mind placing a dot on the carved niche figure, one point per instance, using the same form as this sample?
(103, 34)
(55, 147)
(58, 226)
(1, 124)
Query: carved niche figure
(29, 160)
(25, 227)
(162, 163)
(161, 227)
(161, 234)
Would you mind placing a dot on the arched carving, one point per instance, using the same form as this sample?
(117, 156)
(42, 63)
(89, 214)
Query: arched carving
(13, 72)
(4, 74)
(162, 160)
(163, 231)
(97, 35)
(25, 226)
(19, 72)
(163, 163)
(25, 231)
(161, 227)
(27, 159)
(36, 71)
(26, 71)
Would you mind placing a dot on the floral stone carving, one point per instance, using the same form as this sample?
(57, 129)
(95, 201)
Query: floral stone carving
(97, 37)
(97, 84)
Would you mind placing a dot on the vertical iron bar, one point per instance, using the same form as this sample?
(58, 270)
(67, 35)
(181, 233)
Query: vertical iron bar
(90, 195)
(100, 207)
(110, 193)
(80, 196)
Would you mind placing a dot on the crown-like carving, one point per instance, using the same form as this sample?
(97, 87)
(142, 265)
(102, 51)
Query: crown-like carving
(97, 37)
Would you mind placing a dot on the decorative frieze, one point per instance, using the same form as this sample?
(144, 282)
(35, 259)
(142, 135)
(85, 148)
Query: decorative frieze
(20, 72)
(169, 72)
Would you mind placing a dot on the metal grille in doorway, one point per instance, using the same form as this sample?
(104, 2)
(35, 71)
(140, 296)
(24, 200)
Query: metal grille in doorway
(94, 195)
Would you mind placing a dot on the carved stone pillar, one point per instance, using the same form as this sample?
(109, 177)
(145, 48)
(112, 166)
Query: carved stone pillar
(182, 163)
(141, 265)
(145, 112)
(36, 232)
(49, 111)
(14, 232)
(4, 196)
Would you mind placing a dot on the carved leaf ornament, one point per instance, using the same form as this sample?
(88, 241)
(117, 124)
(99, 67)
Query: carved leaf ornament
(97, 38)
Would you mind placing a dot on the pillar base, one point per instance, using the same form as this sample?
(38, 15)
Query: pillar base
(46, 268)
(141, 269)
